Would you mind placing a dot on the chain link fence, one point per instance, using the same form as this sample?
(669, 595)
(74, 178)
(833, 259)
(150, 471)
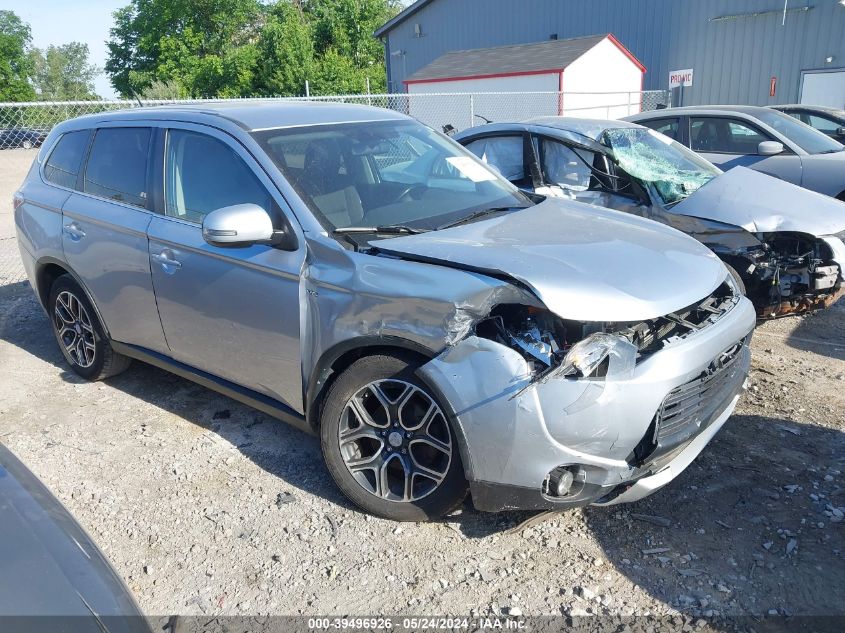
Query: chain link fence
(24, 126)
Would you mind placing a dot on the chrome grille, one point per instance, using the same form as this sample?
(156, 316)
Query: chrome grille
(687, 407)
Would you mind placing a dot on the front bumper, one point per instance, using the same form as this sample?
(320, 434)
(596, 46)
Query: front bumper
(510, 443)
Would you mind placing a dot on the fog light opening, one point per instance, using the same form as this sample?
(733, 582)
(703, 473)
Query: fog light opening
(564, 481)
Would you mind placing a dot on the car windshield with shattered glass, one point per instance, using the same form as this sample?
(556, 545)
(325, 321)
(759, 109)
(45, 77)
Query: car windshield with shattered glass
(654, 159)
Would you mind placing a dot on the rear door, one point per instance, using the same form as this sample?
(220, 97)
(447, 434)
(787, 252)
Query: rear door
(728, 142)
(230, 311)
(104, 232)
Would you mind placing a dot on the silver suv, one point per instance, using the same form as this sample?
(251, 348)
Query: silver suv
(368, 280)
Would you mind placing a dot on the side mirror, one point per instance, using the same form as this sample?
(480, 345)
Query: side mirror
(237, 225)
(840, 131)
(769, 148)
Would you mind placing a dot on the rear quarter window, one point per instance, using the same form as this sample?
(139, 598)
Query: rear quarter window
(62, 168)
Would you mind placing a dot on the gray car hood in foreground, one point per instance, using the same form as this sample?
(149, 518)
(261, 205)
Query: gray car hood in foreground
(52, 575)
(764, 204)
(584, 262)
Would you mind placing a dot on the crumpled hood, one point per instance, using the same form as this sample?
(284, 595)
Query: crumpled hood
(764, 204)
(583, 262)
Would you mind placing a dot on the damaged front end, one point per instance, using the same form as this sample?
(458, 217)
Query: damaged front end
(794, 273)
(555, 347)
(787, 273)
(560, 413)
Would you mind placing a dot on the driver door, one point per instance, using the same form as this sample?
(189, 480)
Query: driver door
(729, 143)
(230, 311)
(586, 176)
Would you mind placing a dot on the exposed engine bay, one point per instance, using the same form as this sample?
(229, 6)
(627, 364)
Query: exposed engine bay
(555, 346)
(789, 273)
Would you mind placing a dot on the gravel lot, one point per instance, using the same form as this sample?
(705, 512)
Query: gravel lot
(205, 506)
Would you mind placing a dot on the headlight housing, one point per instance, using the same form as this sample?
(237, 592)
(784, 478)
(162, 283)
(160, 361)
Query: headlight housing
(730, 280)
(599, 355)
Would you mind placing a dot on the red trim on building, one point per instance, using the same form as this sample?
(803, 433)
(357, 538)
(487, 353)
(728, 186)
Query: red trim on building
(547, 71)
(628, 53)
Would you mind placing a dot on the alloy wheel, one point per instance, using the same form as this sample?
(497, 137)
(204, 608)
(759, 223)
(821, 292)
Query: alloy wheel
(395, 440)
(74, 329)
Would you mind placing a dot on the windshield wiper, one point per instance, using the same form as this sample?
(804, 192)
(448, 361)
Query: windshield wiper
(475, 216)
(392, 229)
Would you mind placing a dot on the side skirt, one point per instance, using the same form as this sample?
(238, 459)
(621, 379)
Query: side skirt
(251, 398)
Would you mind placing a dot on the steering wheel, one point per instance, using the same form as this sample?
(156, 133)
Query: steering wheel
(411, 192)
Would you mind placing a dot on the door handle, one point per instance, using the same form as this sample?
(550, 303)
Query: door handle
(167, 261)
(74, 231)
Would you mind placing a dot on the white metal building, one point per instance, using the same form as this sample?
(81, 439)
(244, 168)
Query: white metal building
(599, 76)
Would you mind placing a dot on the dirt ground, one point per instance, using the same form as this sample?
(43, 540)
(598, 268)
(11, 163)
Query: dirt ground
(205, 506)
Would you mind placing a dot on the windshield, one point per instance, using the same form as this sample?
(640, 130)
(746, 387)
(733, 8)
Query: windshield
(672, 170)
(385, 173)
(809, 139)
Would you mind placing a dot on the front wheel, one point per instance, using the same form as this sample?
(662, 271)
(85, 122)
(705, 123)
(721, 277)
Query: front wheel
(388, 442)
(79, 333)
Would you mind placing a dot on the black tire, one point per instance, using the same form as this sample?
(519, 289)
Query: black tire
(739, 282)
(93, 358)
(427, 500)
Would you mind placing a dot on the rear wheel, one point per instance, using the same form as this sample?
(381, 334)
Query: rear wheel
(388, 442)
(80, 334)
(27, 144)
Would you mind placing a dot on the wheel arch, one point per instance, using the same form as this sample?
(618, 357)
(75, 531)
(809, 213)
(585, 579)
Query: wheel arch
(47, 271)
(339, 357)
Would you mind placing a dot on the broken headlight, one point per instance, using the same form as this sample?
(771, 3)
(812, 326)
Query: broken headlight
(598, 355)
(731, 282)
(556, 347)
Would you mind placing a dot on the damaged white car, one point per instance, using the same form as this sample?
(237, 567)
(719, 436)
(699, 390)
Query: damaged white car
(783, 242)
(368, 280)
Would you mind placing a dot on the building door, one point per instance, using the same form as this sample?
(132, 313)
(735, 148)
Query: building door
(823, 88)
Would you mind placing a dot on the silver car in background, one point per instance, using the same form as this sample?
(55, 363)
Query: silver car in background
(830, 121)
(758, 138)
(368, 280)
(783, 242)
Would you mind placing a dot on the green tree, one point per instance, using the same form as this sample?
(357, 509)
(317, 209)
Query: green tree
(63, 72)
(15, 63)
(285, 52)
(164, 90)
(207, 46)
(226, 48)
(344, 42)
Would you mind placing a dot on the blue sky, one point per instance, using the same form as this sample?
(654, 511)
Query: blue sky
(63, 21)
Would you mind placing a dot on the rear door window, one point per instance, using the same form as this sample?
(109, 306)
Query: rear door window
(505, 153)
(117, 165)
(823, 124)
(667, 127)
(62, 168)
